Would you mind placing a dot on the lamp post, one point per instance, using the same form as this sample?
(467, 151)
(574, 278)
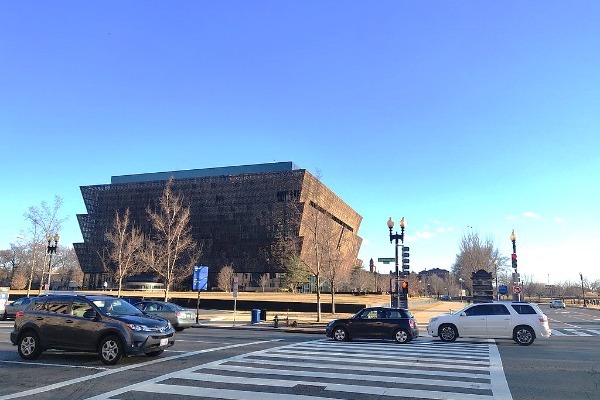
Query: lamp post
(496, 274)
(582, 290)
(50, 250)
(461, 281)
(396, 293)
(513, 239)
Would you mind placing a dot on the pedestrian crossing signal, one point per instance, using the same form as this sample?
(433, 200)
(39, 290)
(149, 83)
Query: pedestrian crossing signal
(405, 287)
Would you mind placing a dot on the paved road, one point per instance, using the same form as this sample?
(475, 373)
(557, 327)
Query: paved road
(321, 369)
(252, 362)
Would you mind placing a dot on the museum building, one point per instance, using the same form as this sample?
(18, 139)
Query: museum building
(238, 214)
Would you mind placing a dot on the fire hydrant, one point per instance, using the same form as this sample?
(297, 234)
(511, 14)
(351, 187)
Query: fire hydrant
(276, 321)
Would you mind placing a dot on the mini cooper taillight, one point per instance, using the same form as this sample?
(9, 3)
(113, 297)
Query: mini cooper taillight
(413, 323)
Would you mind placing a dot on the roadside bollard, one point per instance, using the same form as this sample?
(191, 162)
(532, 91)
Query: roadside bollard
(276, 321)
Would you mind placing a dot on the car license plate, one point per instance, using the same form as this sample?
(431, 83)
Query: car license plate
(164, 342)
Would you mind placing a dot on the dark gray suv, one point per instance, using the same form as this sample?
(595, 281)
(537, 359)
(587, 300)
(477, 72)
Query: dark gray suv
(107, 325)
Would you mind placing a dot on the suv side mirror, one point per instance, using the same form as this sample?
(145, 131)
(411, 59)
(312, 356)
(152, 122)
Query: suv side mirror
(90, 314)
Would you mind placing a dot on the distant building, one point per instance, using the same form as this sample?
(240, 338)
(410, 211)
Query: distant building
(442, 273)
(238, 214)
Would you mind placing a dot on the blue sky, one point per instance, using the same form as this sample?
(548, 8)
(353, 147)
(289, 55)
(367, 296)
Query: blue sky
(456, 115)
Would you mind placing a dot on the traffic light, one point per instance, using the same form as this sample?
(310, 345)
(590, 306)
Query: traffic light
(405, 287)
(405, 259)
(514, 261)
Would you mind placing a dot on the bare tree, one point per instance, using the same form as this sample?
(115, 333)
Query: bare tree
(414, 285)
(126, 244)
(475, 254)
(325, 246)
(437, 285)
(7, 266)
(319, 234)
(19, 280)
(171, 251)
(225, 278)
(361, 279)
(264, 281)
(45, 223)
(65, 268)
(339, 259)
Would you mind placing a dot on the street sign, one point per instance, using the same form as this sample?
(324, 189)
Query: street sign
(200, 281)
(502, 289)
(517, 289)
(386, 260)
(235, 286)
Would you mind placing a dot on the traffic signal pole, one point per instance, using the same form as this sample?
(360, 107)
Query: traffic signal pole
(399, 298)
(516, 278)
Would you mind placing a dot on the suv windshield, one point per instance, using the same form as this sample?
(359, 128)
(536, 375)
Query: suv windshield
(116, 307)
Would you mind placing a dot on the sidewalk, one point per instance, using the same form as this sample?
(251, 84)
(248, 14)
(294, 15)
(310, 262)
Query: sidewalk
(306, 322)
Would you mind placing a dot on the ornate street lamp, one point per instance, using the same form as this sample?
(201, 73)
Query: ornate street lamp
(50, 250)
(516, 280)
(396, 237)
(582, 290)
(461, 281)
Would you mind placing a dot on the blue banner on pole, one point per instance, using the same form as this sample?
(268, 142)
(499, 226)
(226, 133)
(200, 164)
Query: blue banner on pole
(200, 278)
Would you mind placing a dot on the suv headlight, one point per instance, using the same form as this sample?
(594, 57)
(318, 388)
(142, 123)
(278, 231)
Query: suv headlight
(139, 328)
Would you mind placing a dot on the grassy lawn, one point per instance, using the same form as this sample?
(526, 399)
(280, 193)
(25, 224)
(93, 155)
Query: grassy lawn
(242, 296)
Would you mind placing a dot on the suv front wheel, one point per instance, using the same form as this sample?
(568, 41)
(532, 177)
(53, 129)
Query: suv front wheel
(111, 350)
(448, 333)
(29, 345)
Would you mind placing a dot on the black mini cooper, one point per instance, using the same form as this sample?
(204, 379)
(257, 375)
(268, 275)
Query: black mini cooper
(375, 323)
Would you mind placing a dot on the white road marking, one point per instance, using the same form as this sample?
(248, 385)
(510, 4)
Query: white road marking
(577, 332)
(59, 385)
(52, 365)
(344, 369)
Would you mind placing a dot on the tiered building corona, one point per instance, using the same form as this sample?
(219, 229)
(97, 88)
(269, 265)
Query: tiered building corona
(238, 215)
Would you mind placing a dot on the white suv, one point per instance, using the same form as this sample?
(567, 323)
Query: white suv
(521, 321)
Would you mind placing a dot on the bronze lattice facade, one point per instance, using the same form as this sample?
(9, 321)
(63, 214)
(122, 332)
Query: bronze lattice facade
(237, 213)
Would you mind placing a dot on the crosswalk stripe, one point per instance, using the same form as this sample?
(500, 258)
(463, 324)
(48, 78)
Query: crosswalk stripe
(227, 394)
(577, 332)
(355, 377)
(464, 359)
(425, 347)
(392, 370)
(245, 394)
(311, 371)
(378, 361)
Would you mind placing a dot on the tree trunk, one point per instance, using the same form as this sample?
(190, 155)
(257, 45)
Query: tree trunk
(120, 286)
(166, 291)
(318, 299)
(332, 298)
